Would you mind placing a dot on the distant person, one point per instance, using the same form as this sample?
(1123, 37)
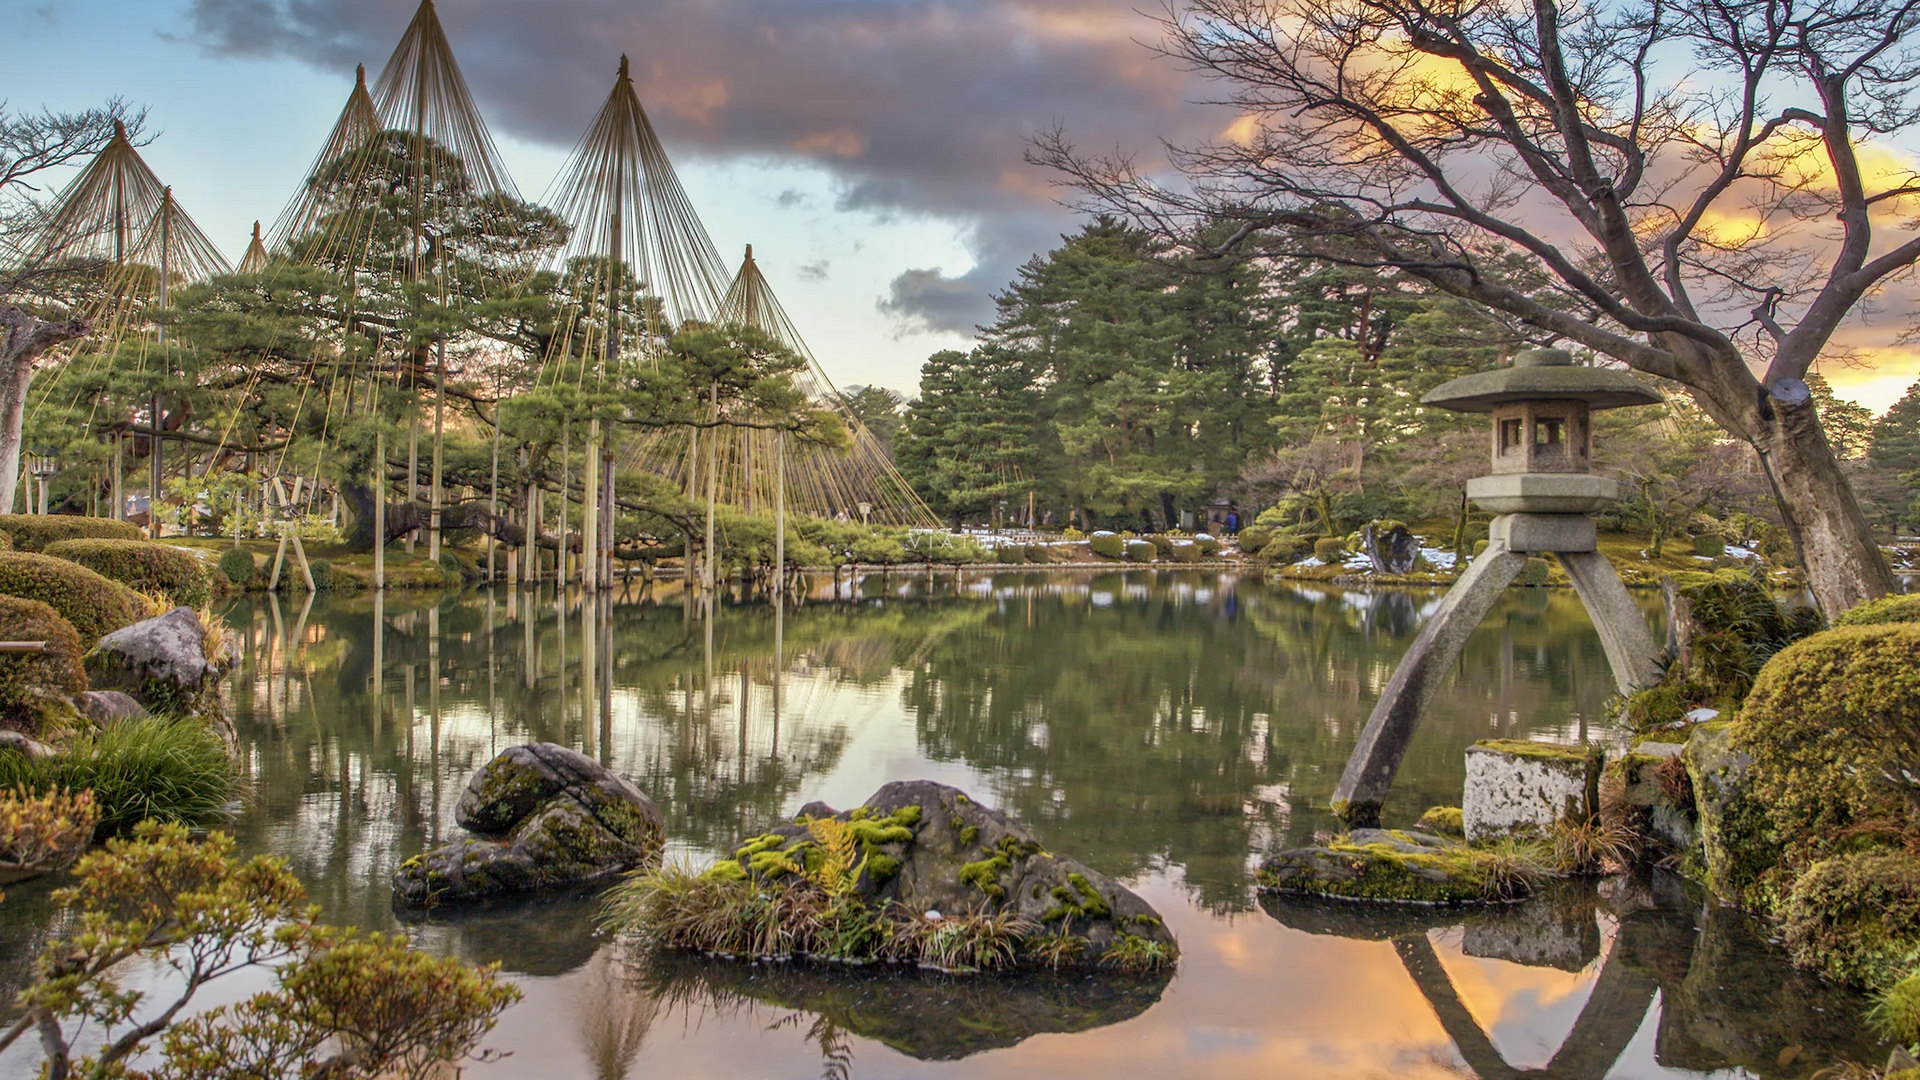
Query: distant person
(1233, 524)
(842, 517)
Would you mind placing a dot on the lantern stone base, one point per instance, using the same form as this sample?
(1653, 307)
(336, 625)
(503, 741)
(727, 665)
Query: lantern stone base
(1545, 532)
(1543, 493)
(1430, 661)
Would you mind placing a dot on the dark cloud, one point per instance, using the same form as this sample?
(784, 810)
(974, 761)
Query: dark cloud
(919, 107)
(815, 271)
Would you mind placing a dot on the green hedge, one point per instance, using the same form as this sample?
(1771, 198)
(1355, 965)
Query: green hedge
(1162, 545)
(1887, 609)
(1536, 572)
(143, 566)
(1286, 548)
(1108, 546)
(322, 571)
(1254, 539)
(21, 674)
(1856, 918)
(1208, 546)
(1184, 552)
(1141, 551)
(1833, 724)
(238, 565)
(94, 604)
(33, 532)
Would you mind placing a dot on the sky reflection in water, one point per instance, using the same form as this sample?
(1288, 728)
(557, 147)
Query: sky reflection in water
(1165, 728)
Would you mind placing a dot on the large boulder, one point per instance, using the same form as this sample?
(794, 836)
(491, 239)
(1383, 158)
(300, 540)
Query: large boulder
(1737, 847)
(933, 851)
(545, 817)
(171, 664)
(1389, 547)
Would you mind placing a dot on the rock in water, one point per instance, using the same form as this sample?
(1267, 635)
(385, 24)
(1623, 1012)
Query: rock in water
(163, 663)
(546, 817)
(931, 848)
(1392, 551)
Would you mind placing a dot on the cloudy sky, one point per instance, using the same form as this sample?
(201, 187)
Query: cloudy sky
(870, 150)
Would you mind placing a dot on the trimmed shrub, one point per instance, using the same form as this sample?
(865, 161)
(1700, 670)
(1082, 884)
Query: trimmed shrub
(1330, 549)
(1038, 553)
(1141, 551)
(322, 575)
(1536, 572)
(450, 565)
(92, 603)
(143, 566)
(1833, 724)
(238, 566)
(1286, 548)
(1480, 547)
(1184, 551)
(1209, 547)
(33, 532)
(1162, 545)
(25, 676)
(1254, 538)
(1711, 545)
(1107, 545)
(1856, 918)
(168, 770)
(1887, 609)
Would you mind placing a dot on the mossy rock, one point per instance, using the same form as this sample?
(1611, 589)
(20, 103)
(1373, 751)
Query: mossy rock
(1395, 866)
(1446, 820)
(94, 604)
(1856, 918)
(143, 566)
(33, 532)
(1833, 726)
(544, 817)
(1887, 609)
(172, 664)
(1738, 851)
(30, 683)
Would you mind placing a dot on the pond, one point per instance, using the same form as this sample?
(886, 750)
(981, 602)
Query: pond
(1168, 729)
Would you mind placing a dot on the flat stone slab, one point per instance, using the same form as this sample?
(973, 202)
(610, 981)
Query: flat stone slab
(1391, 866)
(1526, 788)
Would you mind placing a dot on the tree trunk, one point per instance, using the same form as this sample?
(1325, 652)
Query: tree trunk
(1843, 564)
(23, 338)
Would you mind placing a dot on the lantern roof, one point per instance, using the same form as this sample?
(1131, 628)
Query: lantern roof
(1542, 375)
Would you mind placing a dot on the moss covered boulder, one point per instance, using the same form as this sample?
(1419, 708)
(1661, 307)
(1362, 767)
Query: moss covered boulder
(143, 566)
(171, 664)
(932, 851)
(93, 604)
(1856, 918)
(1404, 867)
(33, 532)
(545, 817)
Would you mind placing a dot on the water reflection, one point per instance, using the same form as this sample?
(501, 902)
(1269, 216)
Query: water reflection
(1168, 729)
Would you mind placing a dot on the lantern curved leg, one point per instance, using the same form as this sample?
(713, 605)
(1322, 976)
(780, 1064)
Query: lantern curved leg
(1428, 663)
(1631, 650)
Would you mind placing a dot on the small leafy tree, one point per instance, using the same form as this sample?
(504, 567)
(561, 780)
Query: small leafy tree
(348, 1005)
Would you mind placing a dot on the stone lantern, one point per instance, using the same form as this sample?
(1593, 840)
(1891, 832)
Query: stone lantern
(1542, 492)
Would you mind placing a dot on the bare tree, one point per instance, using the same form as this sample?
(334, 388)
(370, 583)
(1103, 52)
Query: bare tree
(1689, 173)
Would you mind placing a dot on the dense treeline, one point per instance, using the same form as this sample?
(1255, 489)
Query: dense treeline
(1120, 386)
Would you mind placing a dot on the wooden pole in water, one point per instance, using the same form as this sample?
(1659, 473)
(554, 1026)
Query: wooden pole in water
(379, 507)
(779, 513)
(166, 245)
(439, 437)
(713, 467)
(493, 499)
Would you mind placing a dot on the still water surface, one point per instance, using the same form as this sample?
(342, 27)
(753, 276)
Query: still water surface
(1166, 728)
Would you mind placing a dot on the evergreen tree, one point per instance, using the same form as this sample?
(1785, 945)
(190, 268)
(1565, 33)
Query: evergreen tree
(968, 441)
